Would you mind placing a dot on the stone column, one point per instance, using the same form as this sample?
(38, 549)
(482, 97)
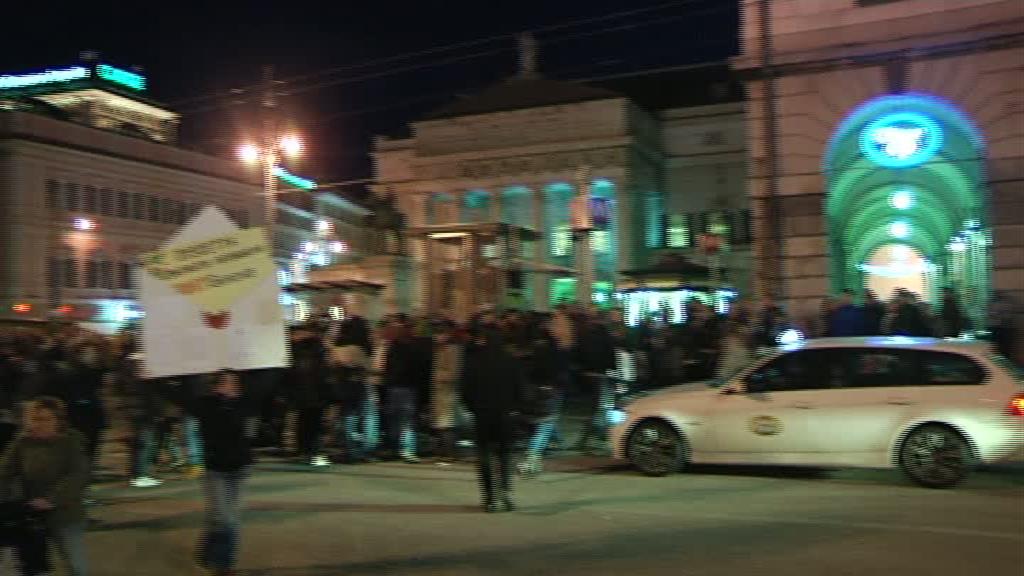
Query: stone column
(582, 253)
(541, 280)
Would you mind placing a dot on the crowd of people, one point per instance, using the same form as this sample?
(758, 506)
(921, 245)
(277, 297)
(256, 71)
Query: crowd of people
(406, 388)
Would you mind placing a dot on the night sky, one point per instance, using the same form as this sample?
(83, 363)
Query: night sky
(192, 51)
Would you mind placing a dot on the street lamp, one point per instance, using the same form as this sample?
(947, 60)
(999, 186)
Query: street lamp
(268, 156)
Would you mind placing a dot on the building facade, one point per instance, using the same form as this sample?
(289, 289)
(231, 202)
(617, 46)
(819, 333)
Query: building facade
(886, 147)
(487, 184)
(90, 177)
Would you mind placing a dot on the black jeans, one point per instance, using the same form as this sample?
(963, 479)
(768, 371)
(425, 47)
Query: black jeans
(310, 429)
(494, 443)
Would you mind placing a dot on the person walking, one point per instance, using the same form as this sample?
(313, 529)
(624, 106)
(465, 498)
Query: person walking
(348, 365)
(547, 381)
(308, 379)
(49, 459)
(596, 356)
(444, 397)
(81, 388)
(846, 318)
(218, 403)
(143, 404)
(399, 380)
(490, 389)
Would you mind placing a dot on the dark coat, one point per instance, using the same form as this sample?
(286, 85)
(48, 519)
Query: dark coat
(846, 320)
(79, 387)
(308, 374)
(873, 314)
(222, 425)
(910, 321)
(398, 365)
(595, 348)
(491, 380)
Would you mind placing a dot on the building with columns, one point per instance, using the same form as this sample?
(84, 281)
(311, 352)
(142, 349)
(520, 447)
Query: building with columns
(886, 146)
(486, 185)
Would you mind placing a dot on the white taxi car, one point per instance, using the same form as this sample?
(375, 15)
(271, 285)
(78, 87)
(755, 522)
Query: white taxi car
(933, 408)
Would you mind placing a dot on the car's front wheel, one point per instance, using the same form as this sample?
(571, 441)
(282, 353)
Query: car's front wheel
(935, 456)
(656, 448)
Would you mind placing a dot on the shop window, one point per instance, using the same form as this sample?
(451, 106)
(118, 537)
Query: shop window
(601, 241)
(678, 234)
(561, 240)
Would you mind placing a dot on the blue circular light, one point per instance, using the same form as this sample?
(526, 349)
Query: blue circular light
(901, 139)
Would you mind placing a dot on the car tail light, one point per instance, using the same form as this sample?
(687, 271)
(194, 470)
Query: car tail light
(1016, 406)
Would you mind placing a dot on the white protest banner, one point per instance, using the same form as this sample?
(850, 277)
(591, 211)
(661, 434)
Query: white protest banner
(211, 300)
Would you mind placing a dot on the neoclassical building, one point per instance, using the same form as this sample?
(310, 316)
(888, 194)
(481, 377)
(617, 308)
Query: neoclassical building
(886, 147)
(487, 184)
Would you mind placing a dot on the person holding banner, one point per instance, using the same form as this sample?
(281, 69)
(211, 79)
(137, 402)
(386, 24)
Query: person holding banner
(219, 406)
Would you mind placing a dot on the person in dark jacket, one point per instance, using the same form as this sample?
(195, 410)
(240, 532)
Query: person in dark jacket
(80, 389)
(874, 312)
(399, 384)
(308, 381)
(142, 407)
(846, 318)
(595, 352)
(490, 385)
(222, 410)
(951, 317)
(909, 320)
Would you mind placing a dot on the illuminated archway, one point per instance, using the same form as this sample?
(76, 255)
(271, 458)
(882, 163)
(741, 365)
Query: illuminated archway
(907, 170)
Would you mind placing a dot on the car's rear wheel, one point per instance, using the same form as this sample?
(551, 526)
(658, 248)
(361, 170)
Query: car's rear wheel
(935, 456)
(656, 448)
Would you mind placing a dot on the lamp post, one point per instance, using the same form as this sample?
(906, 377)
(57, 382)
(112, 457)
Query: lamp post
(268, 156)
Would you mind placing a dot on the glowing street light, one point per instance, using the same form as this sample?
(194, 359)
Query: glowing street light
(248, 153)
(84, 224)
(291, 145)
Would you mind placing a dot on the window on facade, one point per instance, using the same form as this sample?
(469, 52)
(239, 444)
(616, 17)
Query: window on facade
(90, 201)
(179, 212)
(52, 193)
(167, 211)
(106, 274)
(71, 196)
(107, 202)
(678, 231)
(70, 273)
(124, 276)
(122, 204)
(561, 240)
(138, 206)
(92, 273)
(153, 205)
(720, 223)
(601, 241)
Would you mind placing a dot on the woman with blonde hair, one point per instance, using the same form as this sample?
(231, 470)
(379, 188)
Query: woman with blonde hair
(49, 460)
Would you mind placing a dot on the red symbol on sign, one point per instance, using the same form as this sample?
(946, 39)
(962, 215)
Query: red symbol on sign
(217, 321)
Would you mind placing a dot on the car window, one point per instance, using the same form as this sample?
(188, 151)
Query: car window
(948, 368)
(878, 368)
(800, 370)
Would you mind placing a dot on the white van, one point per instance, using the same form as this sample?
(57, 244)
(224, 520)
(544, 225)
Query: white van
(934, 408)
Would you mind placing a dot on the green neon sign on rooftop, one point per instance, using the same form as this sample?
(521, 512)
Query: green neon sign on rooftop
(122, 77)
(57, 76)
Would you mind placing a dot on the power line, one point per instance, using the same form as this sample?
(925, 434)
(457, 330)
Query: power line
(459, 58)
(437, 49)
